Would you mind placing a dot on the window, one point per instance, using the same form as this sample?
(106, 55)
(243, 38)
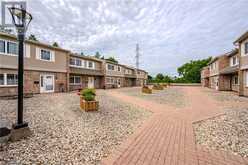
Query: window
(110, 80)
(72, 61)
(2, 46)
(119, 68)
(45, 55)
(246, 79)
(246, 48)
(236, 80)
(8, 79)
(111, 67)
(1, 79)
(234, 61)
(75, 80)
(12, 79)
(12, 48)
(91, 65)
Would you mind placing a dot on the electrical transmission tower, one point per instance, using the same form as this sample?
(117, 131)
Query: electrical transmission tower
(137, 56)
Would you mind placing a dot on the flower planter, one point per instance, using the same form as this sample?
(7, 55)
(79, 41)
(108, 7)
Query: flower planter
(146, 90)
(89, 105)
(157, 87)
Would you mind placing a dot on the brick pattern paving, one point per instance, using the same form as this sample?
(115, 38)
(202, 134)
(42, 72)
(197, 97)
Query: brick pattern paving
(167, 138)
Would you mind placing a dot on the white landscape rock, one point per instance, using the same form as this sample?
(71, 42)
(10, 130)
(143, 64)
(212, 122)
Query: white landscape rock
(63, 134)
(227, 132)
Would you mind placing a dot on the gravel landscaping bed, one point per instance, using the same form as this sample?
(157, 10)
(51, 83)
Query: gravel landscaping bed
(227, 132)
(63, 134)
(172, 96)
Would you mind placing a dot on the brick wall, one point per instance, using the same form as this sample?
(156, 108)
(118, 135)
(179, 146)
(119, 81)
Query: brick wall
(32, 82)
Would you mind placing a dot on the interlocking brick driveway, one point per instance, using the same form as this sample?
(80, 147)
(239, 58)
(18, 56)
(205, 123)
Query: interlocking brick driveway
(168, 137)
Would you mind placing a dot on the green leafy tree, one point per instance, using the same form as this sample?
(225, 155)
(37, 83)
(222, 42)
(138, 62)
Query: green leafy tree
(167, 79)
(149, 78)
(97, 55)
(112, 59)
(191, 72)
(55, 44)
(159, 78)
(32, 37)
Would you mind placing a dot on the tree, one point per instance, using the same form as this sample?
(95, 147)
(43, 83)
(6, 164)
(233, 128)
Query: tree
(112, 59)
(191, 72)
(32, 37)
(149, 78)
(55, 44)
(97, 55)
(167, 79)
(159, 78)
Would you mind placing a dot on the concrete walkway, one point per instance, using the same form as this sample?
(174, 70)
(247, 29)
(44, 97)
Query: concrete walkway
(167, 138)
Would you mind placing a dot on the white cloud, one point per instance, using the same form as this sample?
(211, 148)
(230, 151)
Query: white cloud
(169, 32)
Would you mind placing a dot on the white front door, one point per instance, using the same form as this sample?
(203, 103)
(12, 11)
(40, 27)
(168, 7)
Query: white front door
(46, 83)
(217, 83)
(91, 82)
(118, 82)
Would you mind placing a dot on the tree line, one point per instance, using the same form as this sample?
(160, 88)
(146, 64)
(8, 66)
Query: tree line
(189, 72)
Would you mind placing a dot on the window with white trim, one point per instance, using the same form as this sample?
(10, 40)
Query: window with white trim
(1, 79)
(45, 55)
(91, 65)
(76, 80)
(234, 61)
(119, 69)
(76, 62)
(2, 46)
(246, 48)
(110, 67)
(110, 80)
(12, 48)
(7, 79)
(8, 47)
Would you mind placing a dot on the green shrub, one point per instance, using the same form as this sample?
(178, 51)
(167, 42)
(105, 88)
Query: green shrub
(88, 94)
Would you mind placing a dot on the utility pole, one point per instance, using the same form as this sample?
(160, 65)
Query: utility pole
(137, 56)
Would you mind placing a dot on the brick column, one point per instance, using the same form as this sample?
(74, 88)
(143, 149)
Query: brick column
(241, 83)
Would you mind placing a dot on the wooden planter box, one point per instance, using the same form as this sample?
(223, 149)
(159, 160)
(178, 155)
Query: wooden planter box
(157, 87)
(147, 90)
(88, 105)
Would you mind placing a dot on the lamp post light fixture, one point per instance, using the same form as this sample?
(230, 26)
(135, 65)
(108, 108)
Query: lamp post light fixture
(21, 19)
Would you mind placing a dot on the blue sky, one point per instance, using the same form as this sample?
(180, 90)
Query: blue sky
(169, 32)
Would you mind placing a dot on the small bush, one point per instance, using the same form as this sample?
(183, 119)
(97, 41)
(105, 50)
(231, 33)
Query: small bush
(88, 94)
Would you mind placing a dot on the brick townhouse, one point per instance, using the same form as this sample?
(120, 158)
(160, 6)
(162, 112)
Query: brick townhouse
(205, 76)
(49, 69)
(85, 72)
(45, 67)
(242, 44)
(223, 72)
(230, 71)
(118, 75)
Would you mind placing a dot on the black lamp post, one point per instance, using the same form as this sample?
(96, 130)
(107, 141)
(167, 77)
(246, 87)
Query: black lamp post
(21, 20)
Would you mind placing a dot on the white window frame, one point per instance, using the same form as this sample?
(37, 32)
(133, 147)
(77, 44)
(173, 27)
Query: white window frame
(77, 66)
(111, 67)
(6, 48)
(74, 80)
(119, 68)
(245, 54)
(232, 60)
(5, 80)
(38, 54)
(246, 79)
(93, 64)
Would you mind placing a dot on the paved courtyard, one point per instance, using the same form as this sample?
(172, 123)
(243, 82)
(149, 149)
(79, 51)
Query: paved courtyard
(168, 136)
(176, 126)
